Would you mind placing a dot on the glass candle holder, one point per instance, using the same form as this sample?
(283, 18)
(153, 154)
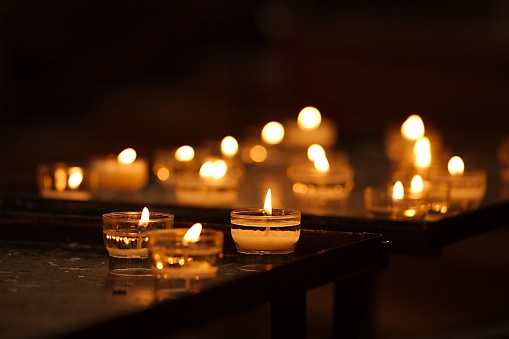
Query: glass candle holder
(313, 187)
(63, 181)
(379, 202)
(180, 266)
(125, 236)
(192, 189)
(254, 232)
(466, 191)
(109, 175)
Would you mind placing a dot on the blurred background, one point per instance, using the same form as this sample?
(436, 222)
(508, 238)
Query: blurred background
(87, 77)
(91, 77)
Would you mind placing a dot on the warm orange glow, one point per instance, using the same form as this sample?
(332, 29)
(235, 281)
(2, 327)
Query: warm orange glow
(127, 156)
(456, 166)
(258, 153)
(315, 151)
(60, 179)
(192, 234)
(309, 118)
(184, 153)
(163, 173)
(417, 184)
(422, 152)
(273, 133)
(213, 169)
(398, 191)
(267, 206)
(229, 146)
(413, 127)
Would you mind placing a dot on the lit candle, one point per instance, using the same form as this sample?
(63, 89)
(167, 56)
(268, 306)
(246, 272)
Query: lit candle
(214, 185)
(125, 172)
(400, 142)
(319, 181)
(63, 181)
(265, 231)
(125, 235)
(467, 188)
(180, 257)
(310, 128)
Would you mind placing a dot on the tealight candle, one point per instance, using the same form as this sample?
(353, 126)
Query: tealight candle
(265, 231)
(63, 181)
(125, 235)
(181, 259)
(319, 181)
(467, 188)
(310, 128)
(392, 201)
(400, 142)
(170, 163)
(214, 185)
(124, 172)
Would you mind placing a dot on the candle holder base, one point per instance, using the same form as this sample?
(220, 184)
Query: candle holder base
(130, 266)
(259, 263)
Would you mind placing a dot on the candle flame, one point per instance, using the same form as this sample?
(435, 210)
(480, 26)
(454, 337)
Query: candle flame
(213, 169)
(273, 133)
(229, 146)
(184, 153)
(192, 234)
(456, 166)
(322, 164)
(422, 152)
(413, 127)
(75, 177)
(309, 118)
(315, 151)
(145, 217)
(397, 191)
(267, 206)
(417, 184)
(127, 156)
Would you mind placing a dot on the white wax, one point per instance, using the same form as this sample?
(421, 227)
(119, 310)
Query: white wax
(265, 240)
(109, 174)
(126, 253)
(192, 269)
(194, 190)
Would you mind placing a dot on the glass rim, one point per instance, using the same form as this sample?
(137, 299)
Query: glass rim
(257, 213)
(136, 215)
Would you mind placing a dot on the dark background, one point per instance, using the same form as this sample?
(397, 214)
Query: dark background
(86, 77)
(79, 78)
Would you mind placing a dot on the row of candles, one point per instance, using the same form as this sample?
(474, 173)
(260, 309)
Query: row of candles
(426, 179)
(147, 244)
(211, 176)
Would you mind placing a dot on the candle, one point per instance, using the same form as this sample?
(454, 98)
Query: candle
(467, 188)
(170, 163)
(124, 172)
(181, 259)
(265, 231)
(319, 181)
(214, 185)
(63, 181)
(400, 143)
(125, 235)
(310, 128)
